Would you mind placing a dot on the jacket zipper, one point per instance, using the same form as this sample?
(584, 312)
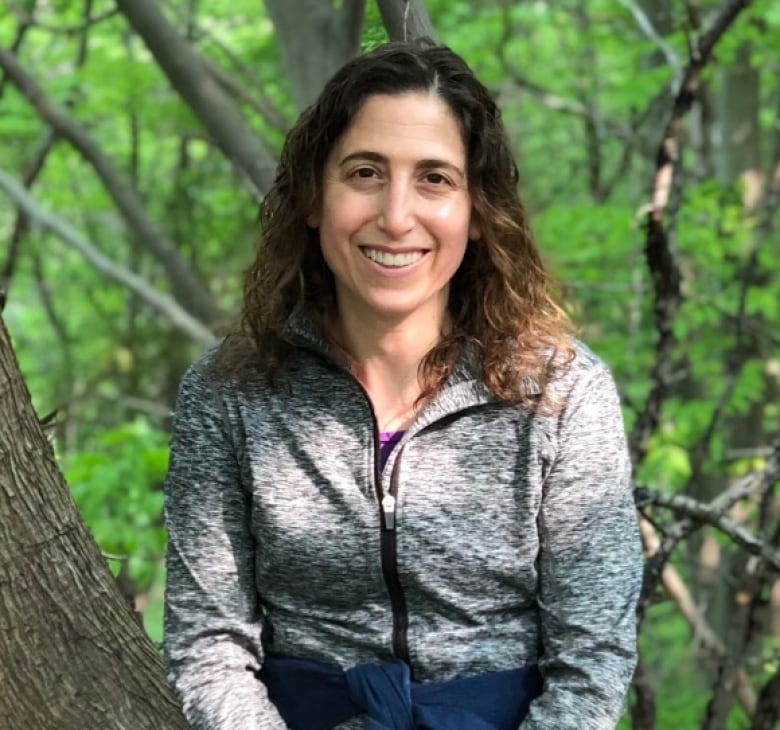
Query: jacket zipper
(390, 566)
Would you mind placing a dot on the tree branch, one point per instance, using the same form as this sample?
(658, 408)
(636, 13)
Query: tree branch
(405, 19)
(36, 166)
(267, 111)
(661, 260)
(313, 51)
(162, 303)
(21, 32)
(756, 483)
(251, 80)
(705, 514)
(666, 278)
(187, 288)
(646, 26)
(44, 293)
(547, 98)
(188, 75)
(28, 17)
(20, 224)
(678, 592)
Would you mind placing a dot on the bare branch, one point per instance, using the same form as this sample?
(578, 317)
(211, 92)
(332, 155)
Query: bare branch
(142, 405)
(164, 304)
(55, 320)
(20, 224)
(188, 290)
(28, 18)
(215, 110)
(704, 513)
(646, 26)
(756, 483)
(548, 98)
(34, 169)
(251, 80)
(678, 592)
(238, 91)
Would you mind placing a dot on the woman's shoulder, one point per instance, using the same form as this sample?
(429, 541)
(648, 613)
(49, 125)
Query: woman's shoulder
(579, 370)
(584, 361)
(212, 373)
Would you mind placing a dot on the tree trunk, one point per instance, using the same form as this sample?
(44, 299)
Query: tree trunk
(316, 38)
(405, 19)
(72, 654)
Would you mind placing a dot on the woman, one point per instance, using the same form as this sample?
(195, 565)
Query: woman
(399, 492)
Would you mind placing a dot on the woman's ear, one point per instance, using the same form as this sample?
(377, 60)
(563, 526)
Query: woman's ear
(313, 220)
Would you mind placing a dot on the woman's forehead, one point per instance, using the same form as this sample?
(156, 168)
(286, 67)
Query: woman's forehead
(393, 126)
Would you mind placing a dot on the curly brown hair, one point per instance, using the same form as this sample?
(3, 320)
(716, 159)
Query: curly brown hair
(500, 299)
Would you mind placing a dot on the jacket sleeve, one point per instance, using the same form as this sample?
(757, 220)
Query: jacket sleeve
(590, 566)
(212, 620)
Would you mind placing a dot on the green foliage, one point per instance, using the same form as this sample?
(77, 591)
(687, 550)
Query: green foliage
(117, 487)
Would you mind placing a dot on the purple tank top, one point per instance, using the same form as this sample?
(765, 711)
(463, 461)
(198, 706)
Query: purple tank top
(387, 442)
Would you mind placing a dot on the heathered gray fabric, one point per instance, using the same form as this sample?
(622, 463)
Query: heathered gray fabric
(517, 540)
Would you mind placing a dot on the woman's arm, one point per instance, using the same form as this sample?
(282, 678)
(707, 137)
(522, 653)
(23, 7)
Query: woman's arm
(590, 565)
(212, 617)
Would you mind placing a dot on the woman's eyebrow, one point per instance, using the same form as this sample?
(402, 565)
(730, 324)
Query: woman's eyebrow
(364, 155)
(377, 157)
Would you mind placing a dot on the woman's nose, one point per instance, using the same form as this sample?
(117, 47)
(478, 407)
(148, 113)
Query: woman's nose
(396, 214)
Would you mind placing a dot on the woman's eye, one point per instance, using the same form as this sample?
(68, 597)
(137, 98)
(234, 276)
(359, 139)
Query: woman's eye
(364, 173)
(436, 178)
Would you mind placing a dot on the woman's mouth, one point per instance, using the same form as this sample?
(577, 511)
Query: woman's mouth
(392, 260)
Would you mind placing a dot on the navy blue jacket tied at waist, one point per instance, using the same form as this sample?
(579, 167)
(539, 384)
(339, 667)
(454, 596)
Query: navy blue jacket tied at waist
(312, 695)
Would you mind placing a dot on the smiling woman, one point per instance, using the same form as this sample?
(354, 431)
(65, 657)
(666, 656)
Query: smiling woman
(399, 494)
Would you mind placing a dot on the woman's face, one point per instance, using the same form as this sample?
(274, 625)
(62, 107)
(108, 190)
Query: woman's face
(395, 217)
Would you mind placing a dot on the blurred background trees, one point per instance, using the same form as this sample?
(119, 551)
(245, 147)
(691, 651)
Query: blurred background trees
(137, 137)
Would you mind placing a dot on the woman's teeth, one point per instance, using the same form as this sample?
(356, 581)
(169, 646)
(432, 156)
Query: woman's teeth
(393, 259)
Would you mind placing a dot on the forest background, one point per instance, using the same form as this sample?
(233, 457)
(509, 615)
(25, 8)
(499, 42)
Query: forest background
(136, 139)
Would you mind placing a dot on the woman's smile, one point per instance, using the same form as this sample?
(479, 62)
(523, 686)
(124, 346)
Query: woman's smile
(393, 260)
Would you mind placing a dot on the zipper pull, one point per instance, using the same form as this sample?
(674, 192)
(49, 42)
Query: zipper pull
(388, 511)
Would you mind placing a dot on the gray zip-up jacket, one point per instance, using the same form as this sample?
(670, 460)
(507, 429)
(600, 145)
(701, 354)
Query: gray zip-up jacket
(506, 538)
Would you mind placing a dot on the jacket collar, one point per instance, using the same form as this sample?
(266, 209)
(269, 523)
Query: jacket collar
(464, 388)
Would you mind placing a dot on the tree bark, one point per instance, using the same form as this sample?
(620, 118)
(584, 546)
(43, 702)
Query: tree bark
(72, 655)
(197, 86)
(312, 51)
(768, 708)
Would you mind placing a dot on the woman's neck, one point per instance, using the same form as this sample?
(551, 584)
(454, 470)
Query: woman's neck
(385, 356)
